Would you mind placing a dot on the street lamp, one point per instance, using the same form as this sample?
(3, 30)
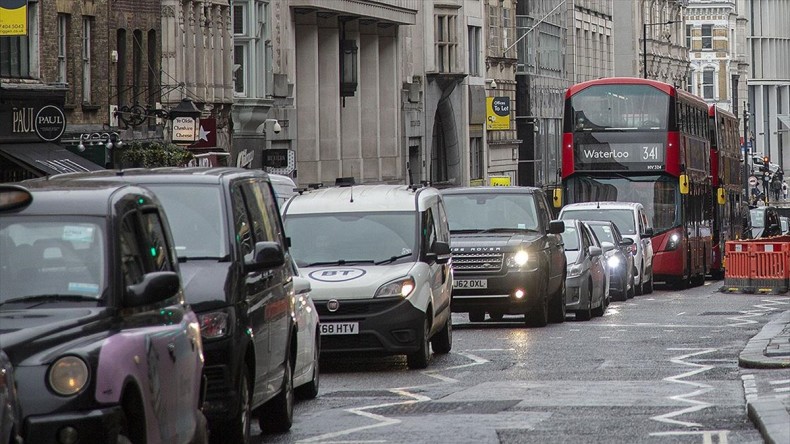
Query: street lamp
(644, 41)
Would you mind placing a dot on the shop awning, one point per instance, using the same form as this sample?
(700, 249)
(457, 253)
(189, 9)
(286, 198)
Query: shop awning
(46, 158)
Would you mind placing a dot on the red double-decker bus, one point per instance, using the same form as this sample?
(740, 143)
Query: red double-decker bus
(636, 140)
(727, 183)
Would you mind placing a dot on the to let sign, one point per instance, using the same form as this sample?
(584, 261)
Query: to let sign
(184, 130)
(498, 113)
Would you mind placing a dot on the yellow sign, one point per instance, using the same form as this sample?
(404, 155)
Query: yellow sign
(499, 181)
(13, 17)
(497, 113)
(476, 182)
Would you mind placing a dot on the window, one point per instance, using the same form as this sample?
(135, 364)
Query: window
(156, 243)
(17, 60)
(446, 40)
(688, 36)
(476, 159)
(690, 82)
(707, 36)
(474, 50)
(86, 59)
(241, 224)
(132, 263)
(239, 69)
(121, 67)
(137, 65)
(493, 29)
(707, 83)
(62, 47)
(262, 226)
(506, 31)
(153, 69)
(239, 19)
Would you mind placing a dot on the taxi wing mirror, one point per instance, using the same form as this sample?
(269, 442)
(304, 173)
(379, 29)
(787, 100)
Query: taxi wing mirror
(267, 255)
(154, 287)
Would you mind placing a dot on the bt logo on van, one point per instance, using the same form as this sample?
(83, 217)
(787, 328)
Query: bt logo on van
(337, 274)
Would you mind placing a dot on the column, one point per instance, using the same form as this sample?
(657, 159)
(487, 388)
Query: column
(306, 46)
(328, 99)
(389, 105)
(350, 119)
(369, 100)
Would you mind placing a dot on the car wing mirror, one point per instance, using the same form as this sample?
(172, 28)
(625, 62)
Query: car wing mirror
(267, 255)
(556, 226)
(301, 285)
(607, 246)
(154, 287)
(595, 251)
(626, 242)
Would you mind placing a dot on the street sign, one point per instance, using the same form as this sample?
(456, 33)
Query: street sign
(753, 181)
(184, 130)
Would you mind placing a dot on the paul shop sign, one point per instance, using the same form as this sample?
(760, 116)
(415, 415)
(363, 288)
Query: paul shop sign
(31, 123)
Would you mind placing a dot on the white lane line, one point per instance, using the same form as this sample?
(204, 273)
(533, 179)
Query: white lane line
(681, 313)
(779, 382)
(491, 349)
(782, 389)
(702, 388)
(707, 435)
(611, 311)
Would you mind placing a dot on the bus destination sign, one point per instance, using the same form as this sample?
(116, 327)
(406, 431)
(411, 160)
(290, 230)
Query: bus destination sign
(620, 156)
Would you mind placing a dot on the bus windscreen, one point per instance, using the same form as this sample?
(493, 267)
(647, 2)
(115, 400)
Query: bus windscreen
(620, 108)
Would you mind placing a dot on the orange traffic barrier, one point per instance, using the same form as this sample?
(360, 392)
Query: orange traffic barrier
(757, 265)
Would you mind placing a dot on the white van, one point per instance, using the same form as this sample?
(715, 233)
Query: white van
(633, 223)
(378, 261)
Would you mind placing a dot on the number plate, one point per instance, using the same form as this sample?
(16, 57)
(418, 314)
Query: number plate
(470, 283)
(339, 328)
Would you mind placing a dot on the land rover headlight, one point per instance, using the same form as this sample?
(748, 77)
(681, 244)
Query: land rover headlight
(613, 261)
(575, 270)
(68, 375)
(402, 287)
(518, 259)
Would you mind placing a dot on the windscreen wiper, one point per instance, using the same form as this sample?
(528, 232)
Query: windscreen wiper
(392, 259)
(506, 230)
(183, 259)
(341, 262)
(48, 298)
(469, 230)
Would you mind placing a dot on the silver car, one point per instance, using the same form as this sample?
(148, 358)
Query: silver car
(587, 281)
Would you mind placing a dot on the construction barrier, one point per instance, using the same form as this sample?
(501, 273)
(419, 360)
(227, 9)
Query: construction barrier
(757, 265)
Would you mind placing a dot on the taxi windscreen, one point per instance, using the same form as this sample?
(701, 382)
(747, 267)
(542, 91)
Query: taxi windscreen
(40, 257)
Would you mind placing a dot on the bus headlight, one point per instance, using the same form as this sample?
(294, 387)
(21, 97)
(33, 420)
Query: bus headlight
(402, 287)
(673, 242)
(68, 375)
(518, 259)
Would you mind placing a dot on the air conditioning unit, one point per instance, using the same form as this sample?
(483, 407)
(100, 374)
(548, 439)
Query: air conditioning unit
(113, 116)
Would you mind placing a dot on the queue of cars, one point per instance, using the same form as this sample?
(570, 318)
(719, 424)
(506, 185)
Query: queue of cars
(180, 304)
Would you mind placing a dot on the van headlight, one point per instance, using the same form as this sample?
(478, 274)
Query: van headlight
(613, 262)
(673, 242)
(517, 259)
(402, 287)
(68, 375)
(575, 270)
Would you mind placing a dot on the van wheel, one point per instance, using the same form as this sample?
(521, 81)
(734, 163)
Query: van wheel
(419, 359)
(477, 316)
(558, 309)
(278, 415)
(238, 429)
(442, 342)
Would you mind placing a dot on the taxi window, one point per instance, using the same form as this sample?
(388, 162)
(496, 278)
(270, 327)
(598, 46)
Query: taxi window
(132, 262)
(154, 235)
(241, 223)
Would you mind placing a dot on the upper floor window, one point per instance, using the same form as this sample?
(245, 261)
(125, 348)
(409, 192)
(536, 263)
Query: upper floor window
(707, 83)
(239, 69)
(240, 19)
(86, 59)
(63, 39)
(707, 36)
(493, 30)
(688, 36)
(474, 50)
(446, 40)
(507, 36)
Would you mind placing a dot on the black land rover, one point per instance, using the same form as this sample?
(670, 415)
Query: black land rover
(508, 257)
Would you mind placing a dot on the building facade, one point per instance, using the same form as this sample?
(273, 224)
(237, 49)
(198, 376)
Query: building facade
(654, 25)
(769, 79)
(718, 65)
(590, 48)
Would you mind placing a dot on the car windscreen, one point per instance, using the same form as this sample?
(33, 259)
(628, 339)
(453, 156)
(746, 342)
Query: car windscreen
(196, 218)
(352, 237)
(487, 211)
(624, 219)
(48, 256)
(758, 218)
(570, 237)
(603, 232)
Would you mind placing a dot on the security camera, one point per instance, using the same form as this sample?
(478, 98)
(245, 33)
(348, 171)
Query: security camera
(493, 84)
(276, 127)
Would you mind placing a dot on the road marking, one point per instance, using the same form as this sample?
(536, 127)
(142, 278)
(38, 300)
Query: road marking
(779, 382)
(681, 313)
(611, 311)
(782, 389)
(702, 388)
(749, 387)
(707, 435)
(766, 306)
(491, 349)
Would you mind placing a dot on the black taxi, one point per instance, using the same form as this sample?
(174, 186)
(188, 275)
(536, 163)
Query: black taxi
(93, 318)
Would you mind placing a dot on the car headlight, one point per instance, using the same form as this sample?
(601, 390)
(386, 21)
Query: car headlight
(613, 261)
(575, 270)
(213, 324)
(68, 375)
(402, 287)
(517, 259)
(673, 242)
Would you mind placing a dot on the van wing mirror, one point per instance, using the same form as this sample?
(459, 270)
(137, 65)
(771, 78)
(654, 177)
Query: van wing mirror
(648, 233)
(301, 285)
(556, 226)
(154, 287)
(440, 252)
(267, 255)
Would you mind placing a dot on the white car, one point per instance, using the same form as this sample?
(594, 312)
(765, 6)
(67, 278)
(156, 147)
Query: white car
(306, 376)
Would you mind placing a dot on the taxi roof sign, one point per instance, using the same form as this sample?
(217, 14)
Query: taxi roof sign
(13, 197)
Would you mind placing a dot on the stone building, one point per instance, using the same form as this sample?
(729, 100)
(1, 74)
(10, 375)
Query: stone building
(589, 54)
(718, 65)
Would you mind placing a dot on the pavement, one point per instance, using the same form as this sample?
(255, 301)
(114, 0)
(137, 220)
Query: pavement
(770, 349)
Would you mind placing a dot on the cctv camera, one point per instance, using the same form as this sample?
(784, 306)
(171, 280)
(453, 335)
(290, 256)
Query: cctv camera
(276, 127)
(493, 84)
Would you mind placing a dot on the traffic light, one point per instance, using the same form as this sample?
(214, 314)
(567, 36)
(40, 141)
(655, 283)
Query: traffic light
(764, 167)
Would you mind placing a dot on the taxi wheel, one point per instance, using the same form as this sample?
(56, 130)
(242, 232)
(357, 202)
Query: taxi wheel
(310, 390)
(442, 342)
(278, 415)
(586, 314)
(419, 359)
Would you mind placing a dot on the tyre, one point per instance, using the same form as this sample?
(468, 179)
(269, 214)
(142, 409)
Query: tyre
(238, 429)
(539, 315)
(310, 389)
(278, 414)
(419, 359)
(477, 316)
(599, 310)
(442, 342)
(640, 289)
(586, 313)
(649, 286)
(496, 315)
(558, 310)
